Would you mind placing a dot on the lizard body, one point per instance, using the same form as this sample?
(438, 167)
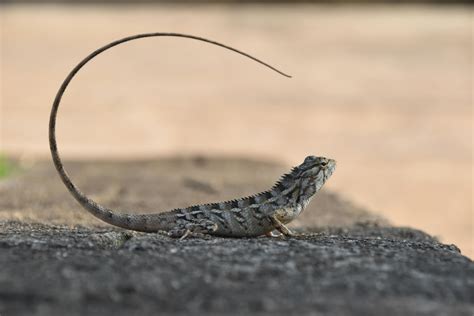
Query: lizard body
(251, 216)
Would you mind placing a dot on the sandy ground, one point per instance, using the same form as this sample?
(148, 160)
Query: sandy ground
(386, 91)
(38, 195)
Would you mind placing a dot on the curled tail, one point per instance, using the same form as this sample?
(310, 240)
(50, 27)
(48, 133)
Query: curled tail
(128, 221)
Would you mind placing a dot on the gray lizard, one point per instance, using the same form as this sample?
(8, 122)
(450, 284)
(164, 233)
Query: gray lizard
(251, 216)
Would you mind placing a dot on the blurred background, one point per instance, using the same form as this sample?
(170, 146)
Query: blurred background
(384, 89)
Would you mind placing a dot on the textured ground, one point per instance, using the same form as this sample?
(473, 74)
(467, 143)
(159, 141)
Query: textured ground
(359, 266)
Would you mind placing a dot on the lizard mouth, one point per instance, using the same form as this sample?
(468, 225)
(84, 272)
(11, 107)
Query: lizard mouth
(331, 164)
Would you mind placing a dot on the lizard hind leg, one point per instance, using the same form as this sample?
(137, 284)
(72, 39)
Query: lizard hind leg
(194, 228)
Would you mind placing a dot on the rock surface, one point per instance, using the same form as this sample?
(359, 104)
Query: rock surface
(56, 270)
(358, 266)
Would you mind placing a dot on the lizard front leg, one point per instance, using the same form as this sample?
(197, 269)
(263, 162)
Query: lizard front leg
(280, 226)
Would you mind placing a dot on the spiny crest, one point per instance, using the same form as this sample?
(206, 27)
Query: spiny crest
(233, 203)
(287, 178)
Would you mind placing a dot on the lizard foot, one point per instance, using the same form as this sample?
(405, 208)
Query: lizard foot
(273, 234)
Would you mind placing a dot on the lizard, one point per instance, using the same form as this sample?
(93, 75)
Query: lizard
(251, 216)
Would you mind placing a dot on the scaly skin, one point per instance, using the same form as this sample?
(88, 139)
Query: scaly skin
(246, 217)
(254, 215)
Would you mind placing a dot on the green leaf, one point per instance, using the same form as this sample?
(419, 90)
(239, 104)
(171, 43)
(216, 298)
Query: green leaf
(6, 166)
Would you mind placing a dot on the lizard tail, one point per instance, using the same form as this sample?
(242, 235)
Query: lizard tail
(127, 221)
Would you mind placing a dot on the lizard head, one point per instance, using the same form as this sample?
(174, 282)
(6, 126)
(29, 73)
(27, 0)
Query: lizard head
(314, 171)
(309, 177)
